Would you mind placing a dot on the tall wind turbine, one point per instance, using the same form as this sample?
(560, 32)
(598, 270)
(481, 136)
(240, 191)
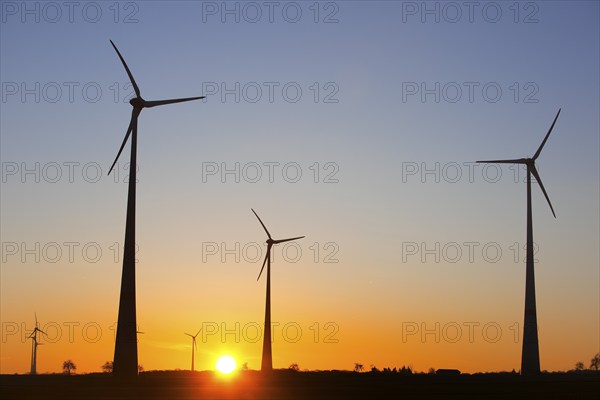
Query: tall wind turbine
(194, 347)
(267, 358)
(530, 356)
(34, 345)
(126, 357)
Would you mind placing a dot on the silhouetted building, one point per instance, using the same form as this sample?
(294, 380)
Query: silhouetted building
(447, 372)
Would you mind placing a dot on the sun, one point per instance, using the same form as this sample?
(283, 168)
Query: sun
(226, 364)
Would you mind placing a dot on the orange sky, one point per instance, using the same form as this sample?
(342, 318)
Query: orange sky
(323, 330)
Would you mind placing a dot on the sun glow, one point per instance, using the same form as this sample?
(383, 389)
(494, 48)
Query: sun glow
(226, 364)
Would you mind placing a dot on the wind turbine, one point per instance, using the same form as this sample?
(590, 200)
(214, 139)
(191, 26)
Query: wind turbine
(34, 345)
(126, 357)
(194, 347)
(530, 356)
(267, 358)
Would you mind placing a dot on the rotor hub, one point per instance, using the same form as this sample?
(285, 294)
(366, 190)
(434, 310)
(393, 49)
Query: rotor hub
(137, 102)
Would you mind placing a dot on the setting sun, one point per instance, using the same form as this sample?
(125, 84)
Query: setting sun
(226, 364)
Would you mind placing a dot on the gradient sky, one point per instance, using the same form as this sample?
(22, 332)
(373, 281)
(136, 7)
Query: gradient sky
(366, 284)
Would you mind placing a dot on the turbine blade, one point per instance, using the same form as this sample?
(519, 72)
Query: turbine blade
(188, 335)
(39, 330)
(263, 225)
(36, 321)
(135, 86)
(539, 180)
(268, 256)
(134, 115)
(516, 161)
(287, 240)
(155, 103)
(198, 332)
(537, 153)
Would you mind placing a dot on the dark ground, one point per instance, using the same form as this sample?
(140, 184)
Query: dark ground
(285, 384)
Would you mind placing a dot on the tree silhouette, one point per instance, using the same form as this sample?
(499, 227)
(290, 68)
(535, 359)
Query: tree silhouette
(294, 367)
(245, 366)
(595, 362)
(358, 367)
(406, 370)
(579, 366)
(69, 366)
(107, 367)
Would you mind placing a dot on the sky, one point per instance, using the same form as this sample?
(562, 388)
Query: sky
(354, 123)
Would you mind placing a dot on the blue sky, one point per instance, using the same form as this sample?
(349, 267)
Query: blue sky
(367, 134)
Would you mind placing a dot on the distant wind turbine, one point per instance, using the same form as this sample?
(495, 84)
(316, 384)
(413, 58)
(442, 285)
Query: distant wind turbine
(34, 345)
(126, 357)
(267, 358)
(194, 347)
(530, 356)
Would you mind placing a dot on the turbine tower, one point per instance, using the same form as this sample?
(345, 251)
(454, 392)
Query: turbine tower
(125, 362)
(34, 345)
(530, 356)
(194, 347)
(267, 358)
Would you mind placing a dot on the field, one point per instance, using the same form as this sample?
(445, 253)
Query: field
(284, 384)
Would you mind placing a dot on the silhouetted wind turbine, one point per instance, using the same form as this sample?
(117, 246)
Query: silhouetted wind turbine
(267, 358)
(194, 347)
(530, 356)
(126, 358)
(34, 345)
